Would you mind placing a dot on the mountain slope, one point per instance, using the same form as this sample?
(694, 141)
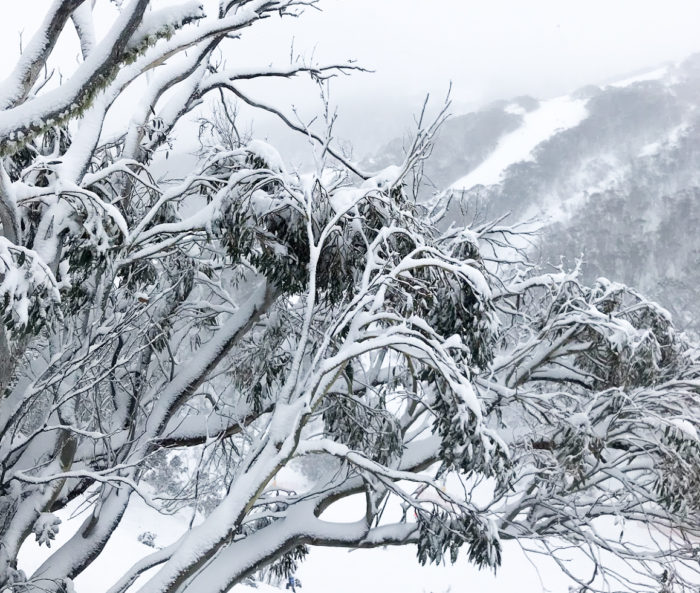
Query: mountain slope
(613, 173)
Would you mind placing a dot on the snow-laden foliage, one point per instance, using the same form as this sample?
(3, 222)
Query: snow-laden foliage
(258, 344)
(27, 287)
(46, 528)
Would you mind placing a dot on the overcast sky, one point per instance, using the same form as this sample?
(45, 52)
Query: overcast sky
(488, 49)
(496, 48)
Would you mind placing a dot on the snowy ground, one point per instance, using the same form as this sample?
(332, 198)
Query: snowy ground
(327, 570)
(396, 570)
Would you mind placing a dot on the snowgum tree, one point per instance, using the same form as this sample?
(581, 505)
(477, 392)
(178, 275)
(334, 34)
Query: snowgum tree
(257, 319)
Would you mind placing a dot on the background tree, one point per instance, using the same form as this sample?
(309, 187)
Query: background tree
(257, 317)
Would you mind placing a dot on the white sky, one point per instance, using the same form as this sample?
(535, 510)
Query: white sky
(488, 49)
(496, 48)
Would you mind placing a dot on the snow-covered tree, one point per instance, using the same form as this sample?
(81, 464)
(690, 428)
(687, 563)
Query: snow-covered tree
(258, 319)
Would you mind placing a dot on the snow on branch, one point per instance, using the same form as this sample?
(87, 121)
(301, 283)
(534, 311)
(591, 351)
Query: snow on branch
(253, 343)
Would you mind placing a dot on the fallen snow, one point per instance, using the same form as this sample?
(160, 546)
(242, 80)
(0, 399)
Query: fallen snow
(686, 427)
(551, 117)
(671, 140)
(656, 74)
(345, 198)
(327, 570)
(594, 176)
(123, 549)
(384, 178)
(268, 154)
(515, 109)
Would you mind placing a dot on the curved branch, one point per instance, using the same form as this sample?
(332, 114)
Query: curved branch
(16, 87)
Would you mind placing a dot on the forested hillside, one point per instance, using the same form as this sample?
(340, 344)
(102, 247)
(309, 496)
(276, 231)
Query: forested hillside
(613, 174)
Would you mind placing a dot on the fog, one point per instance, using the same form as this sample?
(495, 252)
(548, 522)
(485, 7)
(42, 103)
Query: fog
(486, 50)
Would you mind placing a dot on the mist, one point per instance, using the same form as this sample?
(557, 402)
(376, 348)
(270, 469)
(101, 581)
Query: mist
(482, 51)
